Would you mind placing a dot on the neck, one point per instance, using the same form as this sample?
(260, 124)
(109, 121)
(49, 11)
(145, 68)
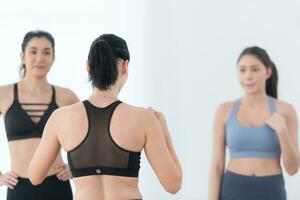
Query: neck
(34, 84)
(105, 95)
(255, 99)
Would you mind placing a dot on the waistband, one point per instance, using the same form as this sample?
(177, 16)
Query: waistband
(48, 180)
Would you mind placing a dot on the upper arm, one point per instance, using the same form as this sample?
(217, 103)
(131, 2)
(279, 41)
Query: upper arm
(292, 123)
(157, 151)
(46, 152)
(6, 98)
(219, 137)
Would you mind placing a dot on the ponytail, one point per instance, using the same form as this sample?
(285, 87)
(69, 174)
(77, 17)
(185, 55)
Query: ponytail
(103, 69)
(104, 54)
(272, 82)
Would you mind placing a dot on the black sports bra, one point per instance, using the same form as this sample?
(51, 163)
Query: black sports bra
(98, 154)
(18, 119)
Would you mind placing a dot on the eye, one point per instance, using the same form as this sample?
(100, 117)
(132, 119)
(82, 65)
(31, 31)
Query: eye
(255, 69)
(242, 70)
(47, 53)
(33, 52)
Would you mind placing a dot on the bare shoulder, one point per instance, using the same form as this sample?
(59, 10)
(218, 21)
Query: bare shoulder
(224, 110)
(71, 114)
(64, 119)
(6, 97)
(70, 111)
(140, 114)
(285, 108)
(65, 96)
(5, 90)
(135, 110)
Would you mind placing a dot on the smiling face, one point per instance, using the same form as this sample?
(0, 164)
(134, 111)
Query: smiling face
(253, 74)
(38, 57)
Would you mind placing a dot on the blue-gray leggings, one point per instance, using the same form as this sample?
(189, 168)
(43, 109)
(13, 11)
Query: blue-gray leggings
(242, 187)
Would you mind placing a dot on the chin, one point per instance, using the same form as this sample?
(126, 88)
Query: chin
(251, 91)
(40, 74)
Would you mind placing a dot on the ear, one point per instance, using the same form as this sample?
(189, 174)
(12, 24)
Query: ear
(269, 72)
(124, 67)
(22, 56)
(87, 66)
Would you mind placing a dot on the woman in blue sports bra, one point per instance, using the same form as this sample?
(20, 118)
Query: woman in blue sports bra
(259, 130)
(26, 107)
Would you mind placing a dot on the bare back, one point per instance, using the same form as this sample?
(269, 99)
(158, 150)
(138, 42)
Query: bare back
(127, 131)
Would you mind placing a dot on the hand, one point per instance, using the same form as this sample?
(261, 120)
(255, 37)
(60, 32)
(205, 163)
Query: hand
(277, 122)
(64, 172)
(10, 179)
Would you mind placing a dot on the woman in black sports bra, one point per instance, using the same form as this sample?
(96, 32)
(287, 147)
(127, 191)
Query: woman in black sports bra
(26, 107)
(104, 137)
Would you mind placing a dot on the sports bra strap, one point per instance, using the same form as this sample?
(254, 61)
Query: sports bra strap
(234, 109)
(16, 97)
(272, 106)
(237, 103)
(53, 94)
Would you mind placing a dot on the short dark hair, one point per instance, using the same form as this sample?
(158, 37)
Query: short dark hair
(104, 54)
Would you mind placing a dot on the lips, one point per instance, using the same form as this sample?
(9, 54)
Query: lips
(39, 66)
(249, 85)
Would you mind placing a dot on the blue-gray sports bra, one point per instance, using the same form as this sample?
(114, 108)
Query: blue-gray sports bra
(261, 141)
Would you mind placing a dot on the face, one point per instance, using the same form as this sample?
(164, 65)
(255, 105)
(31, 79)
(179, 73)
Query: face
(38, 57)
(252, 74)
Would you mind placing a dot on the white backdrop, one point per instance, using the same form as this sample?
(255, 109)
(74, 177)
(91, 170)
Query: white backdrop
(183, 63)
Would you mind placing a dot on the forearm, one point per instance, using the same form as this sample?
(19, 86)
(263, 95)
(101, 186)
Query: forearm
(289, 153)
(171, 148)
(1, 178)
(214, 184)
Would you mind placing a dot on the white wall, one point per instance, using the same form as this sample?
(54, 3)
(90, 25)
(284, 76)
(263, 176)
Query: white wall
(183, 63)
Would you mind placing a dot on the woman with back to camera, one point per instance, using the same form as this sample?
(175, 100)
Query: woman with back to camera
(104, 136)
(259, 130)
(26, 107)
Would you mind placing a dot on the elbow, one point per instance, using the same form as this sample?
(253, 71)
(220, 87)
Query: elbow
(34, 178)
(174, 188)
(35, 182)
(174, 185)
(292, 169)
(217, 169)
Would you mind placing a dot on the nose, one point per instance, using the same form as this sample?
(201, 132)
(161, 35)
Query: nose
(248, 75)
(39, 57)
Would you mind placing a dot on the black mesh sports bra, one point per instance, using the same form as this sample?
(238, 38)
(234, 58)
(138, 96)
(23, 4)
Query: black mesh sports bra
(98, 154)
(18, 118)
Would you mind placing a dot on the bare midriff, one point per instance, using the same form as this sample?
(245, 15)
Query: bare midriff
(21, 153)
(255, 166)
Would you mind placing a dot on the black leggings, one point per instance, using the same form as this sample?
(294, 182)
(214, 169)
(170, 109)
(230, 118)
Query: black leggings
(51, 189)
(242, 187)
